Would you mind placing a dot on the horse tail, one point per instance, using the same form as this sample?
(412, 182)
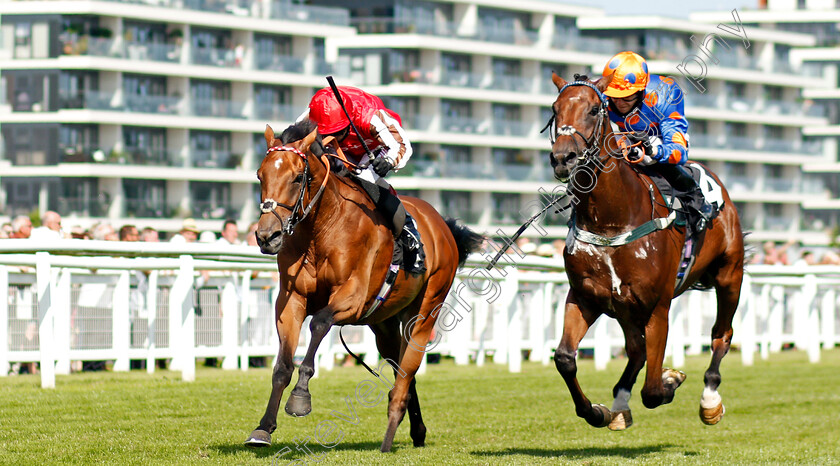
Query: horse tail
(467, 240)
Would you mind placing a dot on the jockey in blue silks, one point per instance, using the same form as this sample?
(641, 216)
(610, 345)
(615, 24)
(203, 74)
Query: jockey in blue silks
(653, 105)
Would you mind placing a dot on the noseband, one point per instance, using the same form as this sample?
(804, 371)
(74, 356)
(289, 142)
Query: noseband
(298, 212)
(590, 146)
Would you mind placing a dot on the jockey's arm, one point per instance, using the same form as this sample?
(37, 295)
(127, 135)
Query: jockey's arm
(673, 128)
(392, 135)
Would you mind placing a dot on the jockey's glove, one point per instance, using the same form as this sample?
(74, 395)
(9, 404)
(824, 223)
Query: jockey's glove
(381, 165)
(639, 153)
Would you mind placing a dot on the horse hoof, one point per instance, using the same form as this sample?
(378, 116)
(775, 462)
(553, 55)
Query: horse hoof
(712, 416)
(621, 420)
(672, 378)
(604, 419)
(258, 439)
(298, 405)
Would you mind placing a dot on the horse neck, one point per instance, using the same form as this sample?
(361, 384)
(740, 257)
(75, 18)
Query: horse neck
(617, 200)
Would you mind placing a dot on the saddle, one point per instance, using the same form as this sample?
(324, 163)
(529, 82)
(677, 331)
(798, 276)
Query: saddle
(709, 192)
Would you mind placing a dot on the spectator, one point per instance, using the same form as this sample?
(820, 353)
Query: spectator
(22, 227)
(230, 233)
(207, 237)
(129, 233)
(251, 236)
(6, 231)
(104, 232)
(50, 229)
(77, 232)
(150, 235)
(188, 233)
(806, 258)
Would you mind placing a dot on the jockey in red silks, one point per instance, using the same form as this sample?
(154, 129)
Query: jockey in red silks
(644, 102)
(382, 131)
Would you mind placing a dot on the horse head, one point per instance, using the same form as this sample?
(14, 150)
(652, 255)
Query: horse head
(288, 182)
(578, 124)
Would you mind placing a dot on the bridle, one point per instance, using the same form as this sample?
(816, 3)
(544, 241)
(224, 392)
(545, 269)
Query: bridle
(590, 144)
(298, 211)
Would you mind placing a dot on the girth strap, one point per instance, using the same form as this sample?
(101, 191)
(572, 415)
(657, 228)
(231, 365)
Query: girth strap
(640, 231)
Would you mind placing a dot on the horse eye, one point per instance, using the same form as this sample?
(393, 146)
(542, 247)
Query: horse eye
(594, 111)
(298, 179)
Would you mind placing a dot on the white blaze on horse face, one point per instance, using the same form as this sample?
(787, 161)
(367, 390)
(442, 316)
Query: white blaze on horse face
(278, 162)
(621, 401)
(710, 399)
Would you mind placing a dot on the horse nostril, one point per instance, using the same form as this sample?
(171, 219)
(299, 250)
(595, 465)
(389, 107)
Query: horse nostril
(552, 159)
(570, 156)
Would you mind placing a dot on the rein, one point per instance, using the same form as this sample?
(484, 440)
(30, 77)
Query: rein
(269, 206)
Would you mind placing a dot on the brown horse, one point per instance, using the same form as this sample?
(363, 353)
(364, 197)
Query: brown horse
(633, 283)
(333, 252)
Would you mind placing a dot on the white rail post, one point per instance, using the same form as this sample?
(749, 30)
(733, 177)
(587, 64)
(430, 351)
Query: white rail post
(230, 324)
(459, 337)
(151, 312)
(764, 312)
(182, 321)
(121, 322)
(46, 334)
(601, 343)
(62, 323)
(694, 314)
(748, 322)
(813, 318)
(244, 318)
(827, 318)
(536, 326)
(513, 334)
(775, 320)
(4, 321)
(676, 335)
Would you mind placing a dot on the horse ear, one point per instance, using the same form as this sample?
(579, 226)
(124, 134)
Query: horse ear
(309, 139)
(605, 81)
(269, 136)
(558, 81)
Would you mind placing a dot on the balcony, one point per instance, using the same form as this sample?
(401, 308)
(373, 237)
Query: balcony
(781, 223)
(152, 156)
(707, 141)
(213, 210)
(511, 128)
(417, 122)
(780, 185)
(90, 100)
(214, 159)
(89, 45)
(275, 112)
(285, 63)
(287, 11)
(512, 83)
(461, 79)
(465, 125)
(464, 215)
(516, 172)
(578, 43)
(143, 208)
(739, 184)
(214, 56)
(81, 153)
(388, 25)
(217, 108)
(507, 36)
(157, 104)
(155, 52)
(81, 207)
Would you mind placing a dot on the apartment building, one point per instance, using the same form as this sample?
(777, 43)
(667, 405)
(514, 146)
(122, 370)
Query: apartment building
(129, 117)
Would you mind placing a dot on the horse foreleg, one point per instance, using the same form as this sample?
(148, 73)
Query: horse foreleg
(291, 313)
(660, 384)
(728, 294)
(635, 347)
(300, 401)
(575, 324)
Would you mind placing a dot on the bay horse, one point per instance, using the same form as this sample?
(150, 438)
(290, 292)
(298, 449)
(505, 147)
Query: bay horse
(333, 252)
(634, 282)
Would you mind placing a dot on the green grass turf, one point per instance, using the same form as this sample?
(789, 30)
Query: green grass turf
(780, 411)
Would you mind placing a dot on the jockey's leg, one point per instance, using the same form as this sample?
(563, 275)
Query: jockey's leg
(401, 221)
(681, 179)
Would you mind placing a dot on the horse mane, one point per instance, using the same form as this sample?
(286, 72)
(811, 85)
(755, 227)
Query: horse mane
(298, 131)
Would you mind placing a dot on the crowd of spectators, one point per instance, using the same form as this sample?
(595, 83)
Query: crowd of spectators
(51, 229)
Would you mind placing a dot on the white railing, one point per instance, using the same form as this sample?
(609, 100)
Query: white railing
(88, 300)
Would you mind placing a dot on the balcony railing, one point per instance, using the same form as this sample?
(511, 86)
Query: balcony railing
(579, 43)
(158, 104)
(275, 112)
(214, 159)
(388, 25)
(507, 36)
(461, 79)
(153, 156)
(209, 209)
(465, 215)
(155, 52)
(739, 183)
(454, 124)
(89, 45)
(515, 172)
(285, 63)
(417, 122)
(780, 185)
(773, 223)
(511, 128)
(512, 83)
(144, 208)
(81, 207)
(217, 108)
(213, 56)
(310, 14)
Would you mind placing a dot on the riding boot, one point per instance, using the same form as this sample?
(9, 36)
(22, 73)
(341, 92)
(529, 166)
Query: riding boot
(403, 226)
(688, 191)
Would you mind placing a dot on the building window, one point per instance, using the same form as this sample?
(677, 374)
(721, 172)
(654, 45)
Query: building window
(212, 99)
(274, 103)
(275, 53)
(145, 198)
(81, 197)
(78, 143)
(146, 146)
(211, 200)
(458, 204)
(211, 149)
(505, 210)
